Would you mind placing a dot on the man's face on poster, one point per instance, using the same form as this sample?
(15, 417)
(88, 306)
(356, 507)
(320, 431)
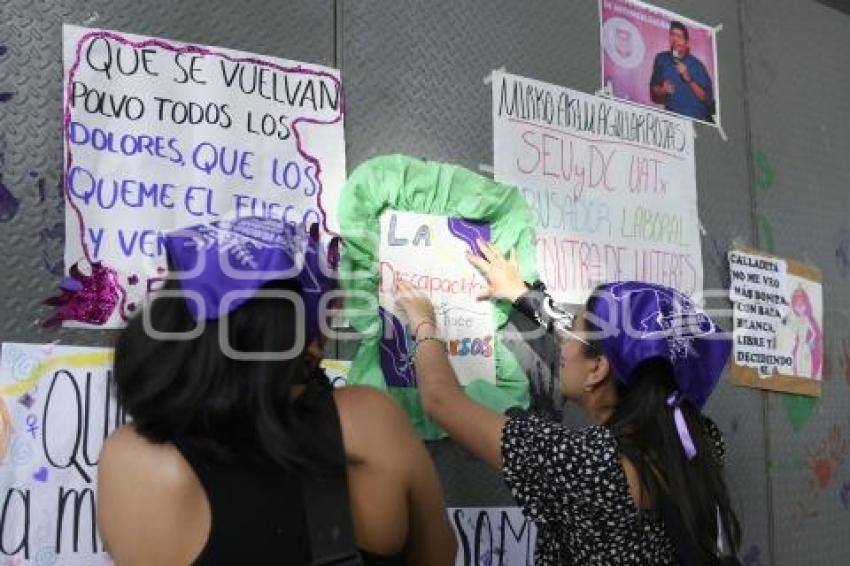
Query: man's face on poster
(623, 42)
(678, 42)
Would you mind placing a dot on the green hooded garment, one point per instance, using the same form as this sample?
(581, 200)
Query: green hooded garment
(397, 182)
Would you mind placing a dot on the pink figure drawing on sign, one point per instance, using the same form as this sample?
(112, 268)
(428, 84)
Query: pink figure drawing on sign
(807, 348)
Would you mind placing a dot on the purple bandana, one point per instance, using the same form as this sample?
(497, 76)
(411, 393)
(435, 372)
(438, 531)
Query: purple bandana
(641, 321)
(215, 260)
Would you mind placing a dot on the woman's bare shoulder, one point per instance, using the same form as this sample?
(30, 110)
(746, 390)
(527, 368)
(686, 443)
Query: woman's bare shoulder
(372, 423)
(141, 482)
(127, 456)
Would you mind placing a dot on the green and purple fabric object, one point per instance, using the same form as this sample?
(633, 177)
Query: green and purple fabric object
(476, 207)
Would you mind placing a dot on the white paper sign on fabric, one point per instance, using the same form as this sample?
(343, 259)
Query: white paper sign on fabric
(612, 186)
(59, 410)
(162, 134)
(428, 251)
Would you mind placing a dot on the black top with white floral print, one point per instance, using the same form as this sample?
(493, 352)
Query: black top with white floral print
(572, 485)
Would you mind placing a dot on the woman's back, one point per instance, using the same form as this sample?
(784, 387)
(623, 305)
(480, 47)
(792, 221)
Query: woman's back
(164, 504)
(585, 495)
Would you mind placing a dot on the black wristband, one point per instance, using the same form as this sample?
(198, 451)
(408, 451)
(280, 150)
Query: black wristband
(536, 304)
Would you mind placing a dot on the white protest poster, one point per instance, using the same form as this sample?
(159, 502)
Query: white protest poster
(612, 186)
(161, 134)
(428, 252)
(777, 323)
(59, 411)
(493, 536)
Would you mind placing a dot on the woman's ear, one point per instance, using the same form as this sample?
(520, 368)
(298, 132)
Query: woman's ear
(599, 369)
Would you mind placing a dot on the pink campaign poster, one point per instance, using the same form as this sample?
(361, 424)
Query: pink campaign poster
(659, 59)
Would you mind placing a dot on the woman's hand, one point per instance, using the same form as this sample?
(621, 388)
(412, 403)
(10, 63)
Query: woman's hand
(416, 305)
(503, 277)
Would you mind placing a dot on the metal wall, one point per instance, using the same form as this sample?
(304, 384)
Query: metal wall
(797, 56)
(413, 72)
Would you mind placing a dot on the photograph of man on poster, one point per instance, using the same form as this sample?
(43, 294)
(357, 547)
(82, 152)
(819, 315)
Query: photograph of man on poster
(680, 81)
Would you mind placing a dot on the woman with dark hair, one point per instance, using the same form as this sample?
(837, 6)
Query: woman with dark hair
(239, 452)
(643, 485)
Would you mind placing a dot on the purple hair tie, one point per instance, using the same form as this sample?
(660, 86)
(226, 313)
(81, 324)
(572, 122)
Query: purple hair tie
(675, 401)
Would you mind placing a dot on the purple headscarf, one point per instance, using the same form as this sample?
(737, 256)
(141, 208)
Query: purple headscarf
(642, 321)
(237, 257)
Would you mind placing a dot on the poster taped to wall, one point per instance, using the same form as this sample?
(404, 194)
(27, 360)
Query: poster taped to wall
(777, 323)
(57, 410)
(161, 134)
(493, 536)
(659, 59)
(428, 252)
(612, 186)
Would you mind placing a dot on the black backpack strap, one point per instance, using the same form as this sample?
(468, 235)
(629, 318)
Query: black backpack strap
(328, 511)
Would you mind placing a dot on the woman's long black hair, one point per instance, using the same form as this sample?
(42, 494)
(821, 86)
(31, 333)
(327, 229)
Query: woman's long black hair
(190, 390)
(686, 493)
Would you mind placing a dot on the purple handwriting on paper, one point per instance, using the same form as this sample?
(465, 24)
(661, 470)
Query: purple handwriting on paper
(238, 65)
(40, 474)
(395, 352)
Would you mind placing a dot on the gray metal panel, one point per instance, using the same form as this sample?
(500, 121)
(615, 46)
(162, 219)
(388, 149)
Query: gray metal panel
(797, 58)
(30, 123)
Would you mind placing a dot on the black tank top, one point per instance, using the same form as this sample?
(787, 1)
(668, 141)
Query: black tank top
(257, 514)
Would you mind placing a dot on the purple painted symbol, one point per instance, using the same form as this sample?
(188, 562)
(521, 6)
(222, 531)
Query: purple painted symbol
(26, 400)
(395, 352)
(9, 203)
(70, 284)
(469, 232)
(40, 474)
(32, 424)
